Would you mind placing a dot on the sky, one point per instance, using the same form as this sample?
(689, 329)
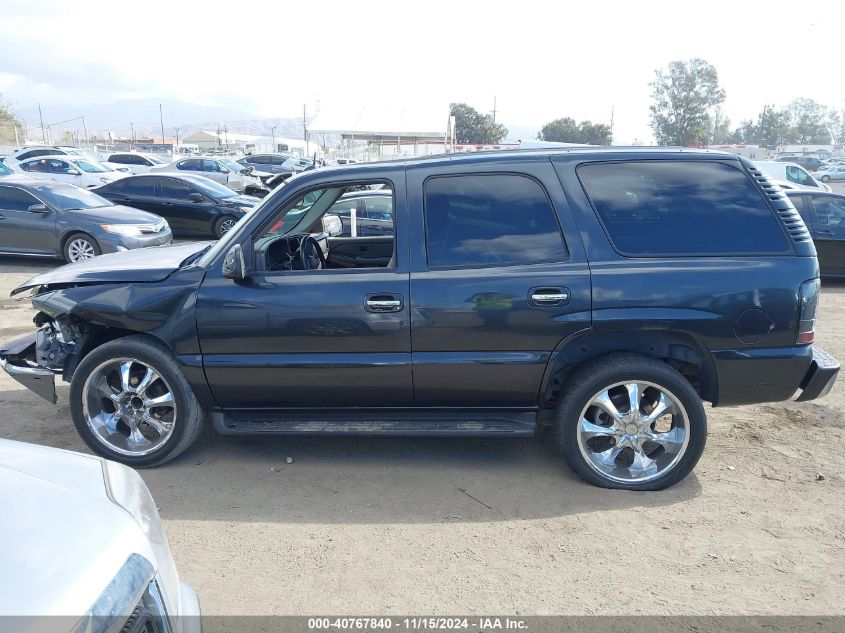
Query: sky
(540, 60)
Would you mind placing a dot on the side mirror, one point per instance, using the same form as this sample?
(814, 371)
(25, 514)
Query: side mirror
(38, 208)
(236, 265)
(224, 170)
(72, 172)
(195, 197)
(332, 225)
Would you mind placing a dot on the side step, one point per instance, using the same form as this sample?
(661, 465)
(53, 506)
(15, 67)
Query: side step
(411, 422)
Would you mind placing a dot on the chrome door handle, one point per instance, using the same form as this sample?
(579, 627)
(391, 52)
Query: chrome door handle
(548, 296)
(383, 303)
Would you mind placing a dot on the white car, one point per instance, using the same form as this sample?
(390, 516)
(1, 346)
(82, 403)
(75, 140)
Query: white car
(55, 150)
(136, 162)
(797, 176)
(82, 172)
(83, 547)
(223, 170)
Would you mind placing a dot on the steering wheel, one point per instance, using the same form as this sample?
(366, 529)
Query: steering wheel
(310, 254)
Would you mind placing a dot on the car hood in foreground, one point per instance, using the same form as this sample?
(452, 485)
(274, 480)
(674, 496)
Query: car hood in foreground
(62, 539)
(143, 264)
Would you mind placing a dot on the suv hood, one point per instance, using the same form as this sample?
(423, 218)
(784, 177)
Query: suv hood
(144, 264)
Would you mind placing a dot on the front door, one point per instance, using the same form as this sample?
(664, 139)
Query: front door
(214, 170)
(494, 285)
(328, 338)
(186, 216)
(21, 230)
(829, 233)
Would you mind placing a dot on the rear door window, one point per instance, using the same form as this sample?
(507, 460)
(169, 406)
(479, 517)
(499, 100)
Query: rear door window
(660, 208)
(830, 210)
(489, 220)
(143, 187)
(13, 199)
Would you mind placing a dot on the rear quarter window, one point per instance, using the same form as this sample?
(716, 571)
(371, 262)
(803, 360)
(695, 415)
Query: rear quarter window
(662, 208)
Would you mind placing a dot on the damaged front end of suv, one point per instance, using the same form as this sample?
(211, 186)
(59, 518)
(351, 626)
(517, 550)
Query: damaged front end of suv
(83, 305)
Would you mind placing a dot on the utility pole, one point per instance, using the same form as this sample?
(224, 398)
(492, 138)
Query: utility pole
(218, 136)
(177, 137)
(132, 127)
(273, 132)
(612, 112)
(43, 132)
(226, 136)
(161, 118)
(494, 108)
(85, 129)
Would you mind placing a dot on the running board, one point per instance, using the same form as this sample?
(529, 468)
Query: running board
(479, 423)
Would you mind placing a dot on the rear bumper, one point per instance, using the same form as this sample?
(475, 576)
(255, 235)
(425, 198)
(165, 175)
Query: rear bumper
(37, 379)
(820, 376)
(751, 376)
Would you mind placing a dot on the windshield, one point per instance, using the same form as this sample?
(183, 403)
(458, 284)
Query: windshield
(91, 167)
(212, 188)
(235, 167)
(158, 160)
(4, 171)
(70, 198)
(222, 244)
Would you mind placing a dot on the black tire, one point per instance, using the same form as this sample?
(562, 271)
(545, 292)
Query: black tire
(74, 239)
(188, 422)
(825, 179)
(601, 373)
(223, 224)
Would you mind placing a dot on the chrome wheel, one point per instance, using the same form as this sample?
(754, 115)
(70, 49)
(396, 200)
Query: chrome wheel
(633, 432)
(80, 249)
(128, 406)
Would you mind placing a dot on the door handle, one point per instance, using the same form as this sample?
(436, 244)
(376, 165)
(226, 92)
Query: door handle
(548, 296)
(383, 303)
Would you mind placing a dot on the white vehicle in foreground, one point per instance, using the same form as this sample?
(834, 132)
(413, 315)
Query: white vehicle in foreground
(83, 548)
(135, 162)
(82, 172)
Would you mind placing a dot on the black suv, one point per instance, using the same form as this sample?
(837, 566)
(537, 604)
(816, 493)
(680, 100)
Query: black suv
(607, 292)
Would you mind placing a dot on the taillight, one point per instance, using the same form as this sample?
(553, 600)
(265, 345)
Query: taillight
(808, 304)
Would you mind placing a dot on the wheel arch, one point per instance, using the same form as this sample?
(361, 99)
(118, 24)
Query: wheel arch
(677, 349)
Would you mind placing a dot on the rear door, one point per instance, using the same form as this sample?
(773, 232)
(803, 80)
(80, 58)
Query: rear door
(829, 232)
(495, 287)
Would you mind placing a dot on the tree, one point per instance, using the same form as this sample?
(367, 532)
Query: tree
(807, 122)
(684, 96)
(8, 123)
(720, 128)
(473, 127)
(566, 130)
(836, 125)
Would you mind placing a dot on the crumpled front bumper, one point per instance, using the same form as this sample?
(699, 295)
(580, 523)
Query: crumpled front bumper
(39, 380)
(820, 376)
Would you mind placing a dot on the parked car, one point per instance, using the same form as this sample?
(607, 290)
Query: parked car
(223, 170)
(86, 533)
(53, 219)
(55, 150)
(810, 163)
(608, 291)
(365, 213)
(269, 164)
(835, 171)
(76, 171)
(136, 162)
(824, 215)
(791, 173)
(192, 205)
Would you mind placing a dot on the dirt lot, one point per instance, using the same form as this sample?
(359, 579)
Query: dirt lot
(405, 526)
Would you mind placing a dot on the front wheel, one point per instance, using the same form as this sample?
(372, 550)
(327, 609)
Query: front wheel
(825, 179)
(631, 422)
(131, 403)
(224, 225)
(79, 247)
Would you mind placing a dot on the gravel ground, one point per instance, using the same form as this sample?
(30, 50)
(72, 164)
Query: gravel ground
(406, 526)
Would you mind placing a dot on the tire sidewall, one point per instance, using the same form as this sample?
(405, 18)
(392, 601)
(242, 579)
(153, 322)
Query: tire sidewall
(156, 359)
(595, 378)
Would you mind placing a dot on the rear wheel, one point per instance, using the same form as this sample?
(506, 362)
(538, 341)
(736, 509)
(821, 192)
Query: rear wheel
(131, 403)
(79, 247)
(223, 225)
(631, 422)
